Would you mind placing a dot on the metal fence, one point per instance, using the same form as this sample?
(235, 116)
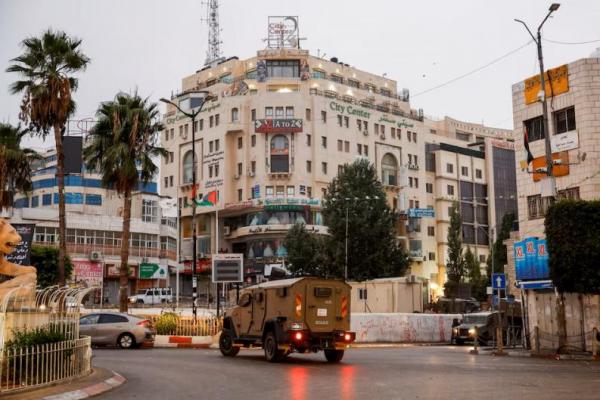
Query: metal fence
(188, 326)
(27, 367)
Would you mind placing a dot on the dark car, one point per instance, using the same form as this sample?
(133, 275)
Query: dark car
(119, 329)
(482, 323)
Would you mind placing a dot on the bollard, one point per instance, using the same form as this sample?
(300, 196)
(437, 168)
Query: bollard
(595, 340)
(475, 349)
(536, 331)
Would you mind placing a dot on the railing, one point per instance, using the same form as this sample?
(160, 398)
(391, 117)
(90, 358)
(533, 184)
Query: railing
(73, 248)
(27, 367)
(187, 326)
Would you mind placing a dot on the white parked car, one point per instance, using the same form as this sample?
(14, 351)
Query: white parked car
(152, 296)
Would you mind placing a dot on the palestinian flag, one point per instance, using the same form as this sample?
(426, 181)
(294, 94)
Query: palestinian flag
(526, 144)
(210, 199)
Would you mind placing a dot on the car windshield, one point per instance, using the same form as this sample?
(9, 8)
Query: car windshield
(475, 319)
(143, 291)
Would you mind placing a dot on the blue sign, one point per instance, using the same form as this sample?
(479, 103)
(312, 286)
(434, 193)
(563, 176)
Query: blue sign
(421, 212)
(536, 285)
(531, 259)
(498, 281)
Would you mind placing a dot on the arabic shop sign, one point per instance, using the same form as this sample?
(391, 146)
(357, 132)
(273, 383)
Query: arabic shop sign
(277, 125)
(337, 107)
(421, 212)
(291, 201)
(179, 116)
(152, 271)
(399, 124)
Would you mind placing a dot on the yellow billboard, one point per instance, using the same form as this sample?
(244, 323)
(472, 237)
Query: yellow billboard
(557, 77)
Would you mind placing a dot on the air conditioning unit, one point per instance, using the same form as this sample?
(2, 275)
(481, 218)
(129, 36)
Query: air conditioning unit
(95, 256)
(366, 133)
(226, 231)
(411, 279)
(251, 174)
(382, 136)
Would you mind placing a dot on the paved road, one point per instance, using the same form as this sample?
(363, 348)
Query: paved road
(382, 373)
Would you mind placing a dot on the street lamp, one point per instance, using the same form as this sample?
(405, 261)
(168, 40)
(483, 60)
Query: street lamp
(204, 97)
(538, 42)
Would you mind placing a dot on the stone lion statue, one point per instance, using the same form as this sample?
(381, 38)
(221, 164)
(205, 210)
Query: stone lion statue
(13, 275)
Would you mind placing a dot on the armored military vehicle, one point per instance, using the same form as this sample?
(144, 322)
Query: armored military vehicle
(290, 315)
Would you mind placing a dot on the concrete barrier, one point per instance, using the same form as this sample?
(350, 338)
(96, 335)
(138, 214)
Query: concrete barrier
(403, 327)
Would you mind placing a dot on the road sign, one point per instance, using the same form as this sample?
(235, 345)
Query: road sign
(228, 268)
(499, 281)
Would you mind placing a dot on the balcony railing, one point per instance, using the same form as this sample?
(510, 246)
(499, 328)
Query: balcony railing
(135, 251)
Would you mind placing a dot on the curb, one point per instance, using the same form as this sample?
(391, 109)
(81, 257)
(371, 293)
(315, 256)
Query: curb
(185, 342)
(115, 381)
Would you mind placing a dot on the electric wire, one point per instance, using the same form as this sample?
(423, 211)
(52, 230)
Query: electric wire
(571, 43)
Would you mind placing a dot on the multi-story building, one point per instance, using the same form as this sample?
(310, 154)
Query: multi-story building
(285, 122)
(94, 225)
(573, 98)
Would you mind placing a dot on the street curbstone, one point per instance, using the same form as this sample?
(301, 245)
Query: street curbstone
(115, 381)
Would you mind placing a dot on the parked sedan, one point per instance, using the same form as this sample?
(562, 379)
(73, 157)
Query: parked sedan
(112, 328)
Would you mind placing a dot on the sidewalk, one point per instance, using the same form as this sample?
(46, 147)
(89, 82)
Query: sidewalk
(99, 381)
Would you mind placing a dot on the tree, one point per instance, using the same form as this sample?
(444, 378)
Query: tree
(17, 178)
(122, 146)
(477, 282)
(373, 251)
(45, 260)
(305, 252)
(498, 256)
(46, 68)
(455, 261)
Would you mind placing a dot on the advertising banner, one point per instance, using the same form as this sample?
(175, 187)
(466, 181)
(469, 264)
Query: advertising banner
(520, 265)
(88, 272)
(22, 253)
(531, 259)
(277, 125)
(152, 271)
(227, 268)
(557, 77)
(542, 260)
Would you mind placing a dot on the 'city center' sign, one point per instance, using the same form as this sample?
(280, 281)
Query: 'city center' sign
(277, 125)
(349, 110)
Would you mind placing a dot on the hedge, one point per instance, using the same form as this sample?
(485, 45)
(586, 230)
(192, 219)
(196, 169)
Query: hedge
(573, 237)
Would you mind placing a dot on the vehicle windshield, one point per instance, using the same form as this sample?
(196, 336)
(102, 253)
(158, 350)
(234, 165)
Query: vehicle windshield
(142, 291)
(475, 319)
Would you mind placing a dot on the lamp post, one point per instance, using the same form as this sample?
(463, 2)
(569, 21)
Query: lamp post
(192, 115)
(538, 42)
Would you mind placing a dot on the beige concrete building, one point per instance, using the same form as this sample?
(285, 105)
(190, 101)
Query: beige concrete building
(283, 124)
(94, 226)
(574, 127)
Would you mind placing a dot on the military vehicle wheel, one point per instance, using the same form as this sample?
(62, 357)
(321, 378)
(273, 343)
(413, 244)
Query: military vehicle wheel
(226, 344)
(272, 353)
(334, 356)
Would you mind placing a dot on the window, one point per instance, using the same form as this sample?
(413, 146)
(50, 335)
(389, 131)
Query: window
(188, 167)
(268, 112)
(376, 129)
(324, 142)
(217, 145)
(217, 119)
(450, 189)
(171, 180)
(269, 191)
(210, 171)
(283, 68)
(166, 182)
(359, 124)
(308, 115)
(253, 114)
(239, 169)
(149, 211)
(347, 122)
(240, 194)
(353, 83)
(216, 170)
(279, 191)
(414, 135)
(389, 170)
(366, 150)
(201, 125)
(340, 169)
(340, 145)
(253, 166)
(417, 184)
(478, 174)
(431, 256)
(538, 205)
(570, 194)
(324, 192)
(410, 158)
(365, 126)
(324, 168)
(564, 120)
(35, 201)
(465, 137)
(112, 319)
(359, 148)
(318, 74)
(482, 258)
(385, 92)
(291, 191)
(337, 78)
(464, 171)
(535, 128)
(289, 112)
(347, 146)
(235, 115)
(410, 181)
(340, 119)
(430, 231)
(324, 117)
(408, 136)
(450, 168)
(240, 142)
(47, 199)
(280, 147)
(279, 112)
(308, 140)
(308, 166)
(362, 293)
(211, 147)
(211, 122)
(253, 140)
(429, 187)
(393, 133)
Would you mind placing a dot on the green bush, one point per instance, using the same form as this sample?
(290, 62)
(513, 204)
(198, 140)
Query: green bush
(42, 335)
(573, 240)
(166, 324)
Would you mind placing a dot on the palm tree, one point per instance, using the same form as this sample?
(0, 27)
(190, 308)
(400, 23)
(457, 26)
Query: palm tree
(46, 70)
(121, 147)
(17, 178)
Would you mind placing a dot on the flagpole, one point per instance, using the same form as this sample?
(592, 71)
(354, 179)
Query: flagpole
(217, 248)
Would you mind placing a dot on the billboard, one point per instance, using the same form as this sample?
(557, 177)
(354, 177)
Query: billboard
(72, 146)
(228, 268)
(277, 125)
(22, 253)
(152, 271)
(531, 259)
(557, 77)
(283, 32)
(88, 272)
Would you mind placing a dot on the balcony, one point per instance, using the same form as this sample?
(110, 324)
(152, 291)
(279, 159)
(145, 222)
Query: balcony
(84, 250)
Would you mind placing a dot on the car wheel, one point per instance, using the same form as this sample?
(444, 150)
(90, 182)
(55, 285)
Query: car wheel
(140, 301)
(272, 353)
(226, 344)
(126, 341)
(334, 356)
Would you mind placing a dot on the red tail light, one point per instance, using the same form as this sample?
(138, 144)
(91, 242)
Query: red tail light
(347, 337)
(145, 323)
(298, 336)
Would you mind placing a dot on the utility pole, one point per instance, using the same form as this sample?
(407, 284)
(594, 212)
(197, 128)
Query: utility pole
(547, 142)
(192, 115)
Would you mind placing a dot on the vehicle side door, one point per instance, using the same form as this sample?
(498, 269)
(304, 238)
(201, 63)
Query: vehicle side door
(87, 326)
(259, 303)
(242, 317)
(110, 326)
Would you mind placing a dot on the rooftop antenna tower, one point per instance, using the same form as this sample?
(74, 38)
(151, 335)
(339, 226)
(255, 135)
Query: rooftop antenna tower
(214, 42)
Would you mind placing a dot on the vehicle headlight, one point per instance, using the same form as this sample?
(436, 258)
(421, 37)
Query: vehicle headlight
(472, 331)
(455, 330)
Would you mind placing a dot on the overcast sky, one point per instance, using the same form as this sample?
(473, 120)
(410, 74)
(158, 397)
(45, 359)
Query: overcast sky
(151, 44)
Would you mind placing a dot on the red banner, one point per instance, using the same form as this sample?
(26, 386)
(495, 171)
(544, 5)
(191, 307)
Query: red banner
(88, 272)
(277, 125)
